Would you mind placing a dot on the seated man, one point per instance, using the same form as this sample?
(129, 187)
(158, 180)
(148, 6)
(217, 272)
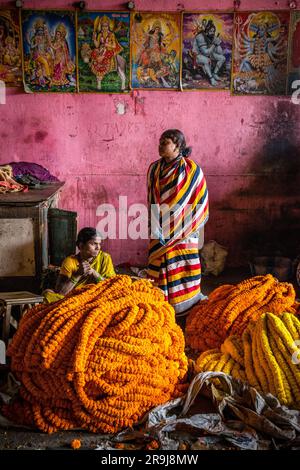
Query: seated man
(90, 266)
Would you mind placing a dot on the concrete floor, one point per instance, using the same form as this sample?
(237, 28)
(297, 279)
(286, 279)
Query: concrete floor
(19, 438)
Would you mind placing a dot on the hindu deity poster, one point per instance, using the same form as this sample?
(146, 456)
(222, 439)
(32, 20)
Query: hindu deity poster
(294, 52)
(10, 48)
(155, 42)
(206, 51)
(260, 53)
(49, 50)
(103, 51)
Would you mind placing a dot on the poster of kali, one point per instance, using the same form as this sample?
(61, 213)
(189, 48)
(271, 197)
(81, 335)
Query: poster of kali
(155, 43)
(49, 50)
(260, 53)
(10, 48)
(294, 53)
(206, 50)
(103, 51)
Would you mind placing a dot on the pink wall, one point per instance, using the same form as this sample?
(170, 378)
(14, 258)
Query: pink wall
(248, 148)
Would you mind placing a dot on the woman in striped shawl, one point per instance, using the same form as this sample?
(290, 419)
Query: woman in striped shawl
(178, 209)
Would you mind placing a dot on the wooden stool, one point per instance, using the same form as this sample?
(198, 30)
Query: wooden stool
(22, 299)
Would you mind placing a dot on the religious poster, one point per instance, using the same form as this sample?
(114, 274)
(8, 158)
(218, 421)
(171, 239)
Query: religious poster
(155, 43)
(260, 53)
(206, 51)
(294, 53)
(103, 51)
(10, 48)
(49, 51)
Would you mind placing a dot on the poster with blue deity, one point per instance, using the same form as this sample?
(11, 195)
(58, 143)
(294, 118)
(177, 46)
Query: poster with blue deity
(260, 53)
(206, 51)
(103, 51)
(49, 51)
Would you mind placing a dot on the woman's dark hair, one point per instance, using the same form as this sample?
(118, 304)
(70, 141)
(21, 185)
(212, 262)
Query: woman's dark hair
(178, 138)
(86, 234)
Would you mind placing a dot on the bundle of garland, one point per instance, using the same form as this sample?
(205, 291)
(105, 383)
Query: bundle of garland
(98, 359)
(229, 309)
(267, 356)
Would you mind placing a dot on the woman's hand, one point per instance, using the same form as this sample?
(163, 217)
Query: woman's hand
(86, 270)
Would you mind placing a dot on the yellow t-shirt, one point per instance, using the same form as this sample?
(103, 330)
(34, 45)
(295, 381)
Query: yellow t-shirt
(102, 264)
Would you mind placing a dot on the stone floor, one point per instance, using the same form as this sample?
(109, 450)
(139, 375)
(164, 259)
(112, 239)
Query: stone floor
(19, 438)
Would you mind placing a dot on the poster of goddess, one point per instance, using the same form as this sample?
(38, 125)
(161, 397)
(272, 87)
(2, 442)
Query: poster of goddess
(155, 43)
(49, 51)
(103, 51)
(10, 48)
(260, 53)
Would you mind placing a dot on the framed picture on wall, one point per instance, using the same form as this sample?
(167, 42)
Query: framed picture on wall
(49, 51)
(260, 53)
(103, 51)
(206, 51)
(294, 52)
(155, 50)
(10, 48)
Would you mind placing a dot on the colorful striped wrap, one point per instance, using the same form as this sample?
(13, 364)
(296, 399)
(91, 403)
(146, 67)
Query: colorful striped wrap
(178, 208)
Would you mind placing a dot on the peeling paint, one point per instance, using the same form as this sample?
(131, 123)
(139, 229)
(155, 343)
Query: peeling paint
(139, 106)
(120, 108)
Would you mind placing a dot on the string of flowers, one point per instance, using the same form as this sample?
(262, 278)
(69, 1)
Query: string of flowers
(98, 359)
(229, 309)
(262, 357)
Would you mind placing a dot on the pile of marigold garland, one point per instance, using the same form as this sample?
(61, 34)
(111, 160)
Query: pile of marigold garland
(98, 359)
(229, 309)
(266, 356)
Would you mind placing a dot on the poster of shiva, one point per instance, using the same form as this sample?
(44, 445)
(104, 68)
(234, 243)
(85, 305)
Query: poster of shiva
(155, 43)
(206, 51)
(10, 48)
(294, 53)
(260, 53)
(49, 50)
(103, 51)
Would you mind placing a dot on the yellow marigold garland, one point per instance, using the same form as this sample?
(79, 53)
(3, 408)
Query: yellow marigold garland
(262, 357)
(229, 309)
(98, 359)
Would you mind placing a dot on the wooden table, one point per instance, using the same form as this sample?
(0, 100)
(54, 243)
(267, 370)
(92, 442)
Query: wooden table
(24, 236)
(21, 299)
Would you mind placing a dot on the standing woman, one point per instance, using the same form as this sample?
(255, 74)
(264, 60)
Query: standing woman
(178, 205)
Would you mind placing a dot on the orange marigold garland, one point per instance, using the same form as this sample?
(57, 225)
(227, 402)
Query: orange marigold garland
(229, 309)
(98, 359)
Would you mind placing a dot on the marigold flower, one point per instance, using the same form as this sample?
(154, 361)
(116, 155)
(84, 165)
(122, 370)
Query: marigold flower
(76, 444)
(229, 309)
(98, 359)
